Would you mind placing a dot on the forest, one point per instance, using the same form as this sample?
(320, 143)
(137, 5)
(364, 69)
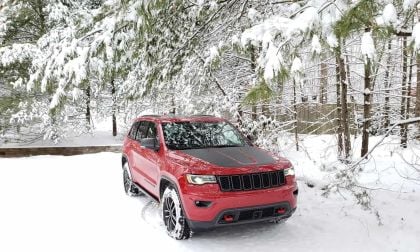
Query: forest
(278, 69)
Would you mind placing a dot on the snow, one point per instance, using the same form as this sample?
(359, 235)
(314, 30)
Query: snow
(416, 36)
(332, 40)
(252, 14)
(409, 4)
(389, 15)
(368, 47)
(235, 40)
(274, 61)
(77, 204)
(16, 53)
(307, 20)
(213, 54)
(296, 66)
(278, 24)
(99, 137)
(316, 46)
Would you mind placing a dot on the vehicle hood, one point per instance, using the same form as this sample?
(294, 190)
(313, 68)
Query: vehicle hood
(232, 156)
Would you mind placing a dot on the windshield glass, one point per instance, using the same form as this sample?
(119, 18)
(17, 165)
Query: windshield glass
(199, 135)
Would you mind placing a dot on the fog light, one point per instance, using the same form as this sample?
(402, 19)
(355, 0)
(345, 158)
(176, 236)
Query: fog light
(281, 210)
(228, 218)
(201, 203)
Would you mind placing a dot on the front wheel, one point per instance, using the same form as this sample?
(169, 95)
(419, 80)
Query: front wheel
(173, 215)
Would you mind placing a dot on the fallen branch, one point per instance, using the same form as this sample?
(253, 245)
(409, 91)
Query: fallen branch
(399, 123)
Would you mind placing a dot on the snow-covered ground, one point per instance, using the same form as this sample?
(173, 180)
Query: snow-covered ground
(53, 203)
(98, 138)
(101, 135)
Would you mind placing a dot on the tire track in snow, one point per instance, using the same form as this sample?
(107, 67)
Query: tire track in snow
(150, 214)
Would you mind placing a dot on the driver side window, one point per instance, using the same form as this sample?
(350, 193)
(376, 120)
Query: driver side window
(142, 130)
(151, 131)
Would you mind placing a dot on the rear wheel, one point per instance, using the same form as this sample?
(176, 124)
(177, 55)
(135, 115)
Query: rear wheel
(173, 215)
(129, 187)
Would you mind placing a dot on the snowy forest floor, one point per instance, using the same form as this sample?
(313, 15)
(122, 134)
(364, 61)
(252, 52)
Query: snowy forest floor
(54, 203)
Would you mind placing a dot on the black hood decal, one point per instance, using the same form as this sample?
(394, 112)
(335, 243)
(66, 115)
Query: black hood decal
(232, 156)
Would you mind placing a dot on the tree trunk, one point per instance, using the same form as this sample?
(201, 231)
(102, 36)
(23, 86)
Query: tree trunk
(240, 115)
(114, 109)
(88, 114)
(417, 109)
(387, 80)
(403, 132)
(254, 112)
(408, 103)
(42, 19)
(295, 115)
(253, 67)
(338, 94)
(324, 83)
(344, 110)
(173, 110)
(366, 108)
(265, 108)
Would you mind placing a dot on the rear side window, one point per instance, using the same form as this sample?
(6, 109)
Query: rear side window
(133, 130)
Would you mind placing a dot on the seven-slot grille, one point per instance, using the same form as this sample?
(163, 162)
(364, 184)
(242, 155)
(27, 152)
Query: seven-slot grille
(253, 181)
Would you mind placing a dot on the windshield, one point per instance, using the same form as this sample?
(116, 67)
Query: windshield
(199, 135)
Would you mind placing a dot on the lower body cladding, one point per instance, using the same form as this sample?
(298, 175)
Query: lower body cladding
(217, 209)
(238, 216)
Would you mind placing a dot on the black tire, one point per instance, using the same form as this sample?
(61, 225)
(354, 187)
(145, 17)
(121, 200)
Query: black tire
(129, 187)
(173, 215)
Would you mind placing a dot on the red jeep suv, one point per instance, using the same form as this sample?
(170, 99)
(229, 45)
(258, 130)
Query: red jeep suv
(205, 174)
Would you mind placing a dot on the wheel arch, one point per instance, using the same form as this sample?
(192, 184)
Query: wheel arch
(165, 182)
(124, 160)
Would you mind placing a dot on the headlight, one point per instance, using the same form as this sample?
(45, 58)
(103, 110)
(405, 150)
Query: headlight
(289, 171)
(201, 179)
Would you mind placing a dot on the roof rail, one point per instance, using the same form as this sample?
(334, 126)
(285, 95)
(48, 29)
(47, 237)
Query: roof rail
(152, 115)
(202, 115)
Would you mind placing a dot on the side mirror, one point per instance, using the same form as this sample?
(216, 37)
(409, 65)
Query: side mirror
(150, 143)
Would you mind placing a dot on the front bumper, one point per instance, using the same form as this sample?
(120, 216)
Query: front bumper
(245, 216)
(205, 205)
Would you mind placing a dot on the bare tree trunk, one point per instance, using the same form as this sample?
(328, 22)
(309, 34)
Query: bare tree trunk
(88, 114)
(265, 108)
(366, 108)
(173, 110)
(344, 110)
(240, 115)
(254, 112)
(403, 132)
(338, 94)
(407, 108)
(324, 83)
(114, 109)
(352, 100)
(387, 80)
(295, 115)
(253, 66)
(417, 108)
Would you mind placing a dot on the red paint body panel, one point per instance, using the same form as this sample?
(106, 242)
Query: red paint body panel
(148, 167)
